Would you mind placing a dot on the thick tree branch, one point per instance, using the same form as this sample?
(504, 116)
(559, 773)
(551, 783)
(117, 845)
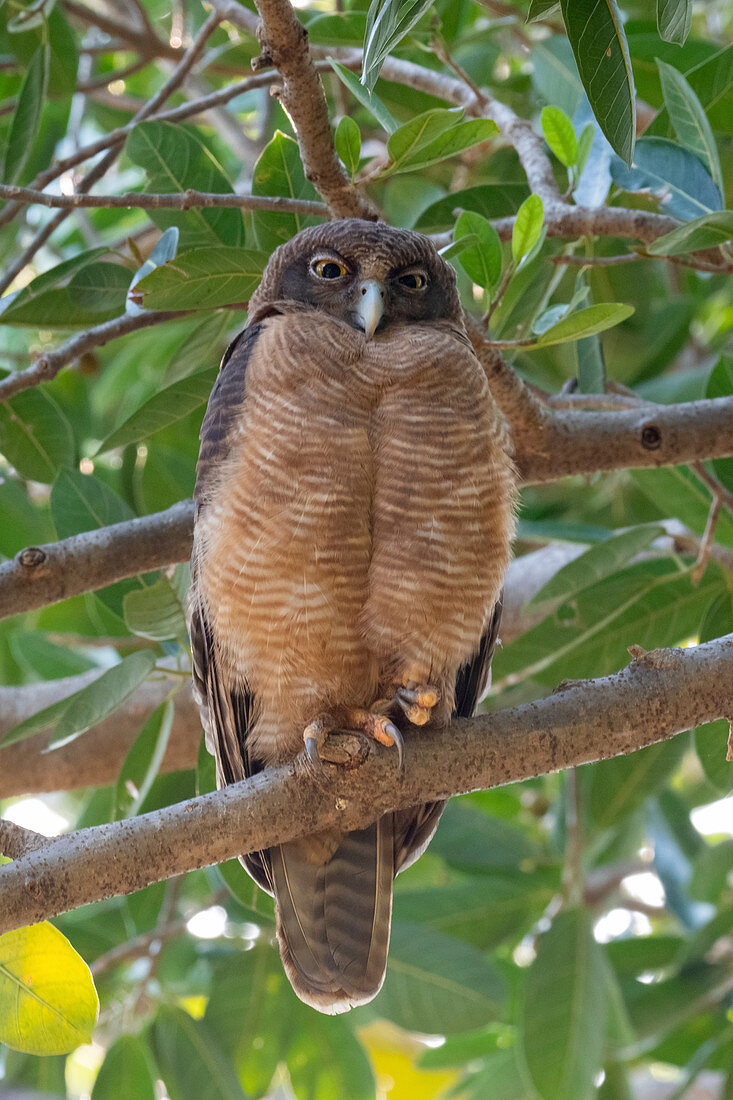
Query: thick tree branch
(178, 200)
(40, 575)
(655, 697)
(95, 759)
(284, 44)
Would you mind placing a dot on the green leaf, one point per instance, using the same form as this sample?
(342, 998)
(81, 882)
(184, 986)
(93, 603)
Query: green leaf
(674, 18)
(77, 713)
(648, 604)
(585, 322)
(81, 502)
(483, 911)
(596, 33)
(35, 436)
(200, 347)
(482, 261)
(27, 117)
(143, 761)
(81, 291)
(204, 278)
(164, 408)
(706, 232)
(48, 1003)
(565, 1009)
(127, 1072)
(190, 1059)
(619, 786)
(689, 120)
(674, 174)
(493, 200)
(434, 136)
(527, 227)
(327, 1062)
(678, 494)
(279, 171)
(538, 8)
(367, 99)
(155, 612)
(471, 840)
(560, 135)
(347, 140)
(388, 21)
(599, 561)
(436, 984)
(175, 159)
(711, 741)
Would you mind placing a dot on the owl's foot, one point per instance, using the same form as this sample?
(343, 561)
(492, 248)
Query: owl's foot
(417, 701)
(376, 726)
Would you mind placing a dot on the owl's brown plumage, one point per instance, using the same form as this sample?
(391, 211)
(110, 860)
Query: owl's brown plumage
(353, 522)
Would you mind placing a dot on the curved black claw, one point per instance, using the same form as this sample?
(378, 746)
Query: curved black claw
(399, 744)
(313, 755)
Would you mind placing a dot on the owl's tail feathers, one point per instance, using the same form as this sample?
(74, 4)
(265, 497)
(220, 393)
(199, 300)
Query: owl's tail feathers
(334, 912)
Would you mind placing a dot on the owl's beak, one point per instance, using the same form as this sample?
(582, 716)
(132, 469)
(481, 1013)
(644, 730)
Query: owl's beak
(370, 305)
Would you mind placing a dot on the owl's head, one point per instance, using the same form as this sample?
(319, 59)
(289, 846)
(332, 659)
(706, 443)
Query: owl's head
(364, 273)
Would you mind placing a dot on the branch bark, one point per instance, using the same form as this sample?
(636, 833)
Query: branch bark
(284, 43)
(658, 695)
(550, 445)
(177, 200)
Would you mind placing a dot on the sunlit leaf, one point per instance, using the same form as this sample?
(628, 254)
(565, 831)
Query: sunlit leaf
(584, 322)
(482, 261)
(48, 1003)
(155, 611)
(527, 227)
(433, 136)
(347, 140)
(388, 21)
(560, 135)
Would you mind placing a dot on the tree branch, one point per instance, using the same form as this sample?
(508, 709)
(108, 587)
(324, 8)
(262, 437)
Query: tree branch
(178, 200)
(658, 695)
(284, 43)
(47, 366)
(556, 444)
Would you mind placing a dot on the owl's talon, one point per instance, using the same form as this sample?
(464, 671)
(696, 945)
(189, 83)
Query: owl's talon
(311, 751)
(417, 701)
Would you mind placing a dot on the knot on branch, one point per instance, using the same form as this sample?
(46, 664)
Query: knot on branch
(31, 557)
(651, 437)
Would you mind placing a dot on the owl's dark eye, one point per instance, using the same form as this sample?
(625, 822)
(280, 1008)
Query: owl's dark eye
(328, 269)
(414, 280)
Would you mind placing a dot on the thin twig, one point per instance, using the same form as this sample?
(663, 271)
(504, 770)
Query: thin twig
(707, 539)
(177, 200)
(716, 487)
(48, 365)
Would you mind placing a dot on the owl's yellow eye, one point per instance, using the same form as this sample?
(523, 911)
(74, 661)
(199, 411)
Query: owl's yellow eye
(414, 280)
(328, 269)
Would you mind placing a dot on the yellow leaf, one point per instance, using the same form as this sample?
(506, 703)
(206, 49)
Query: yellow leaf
(48, 1003)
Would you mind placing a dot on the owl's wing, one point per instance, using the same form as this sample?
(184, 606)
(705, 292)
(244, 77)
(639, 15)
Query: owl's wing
(415, 827)
(227, 710)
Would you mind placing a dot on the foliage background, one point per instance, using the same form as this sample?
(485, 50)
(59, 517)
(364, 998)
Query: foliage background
(568, 936)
